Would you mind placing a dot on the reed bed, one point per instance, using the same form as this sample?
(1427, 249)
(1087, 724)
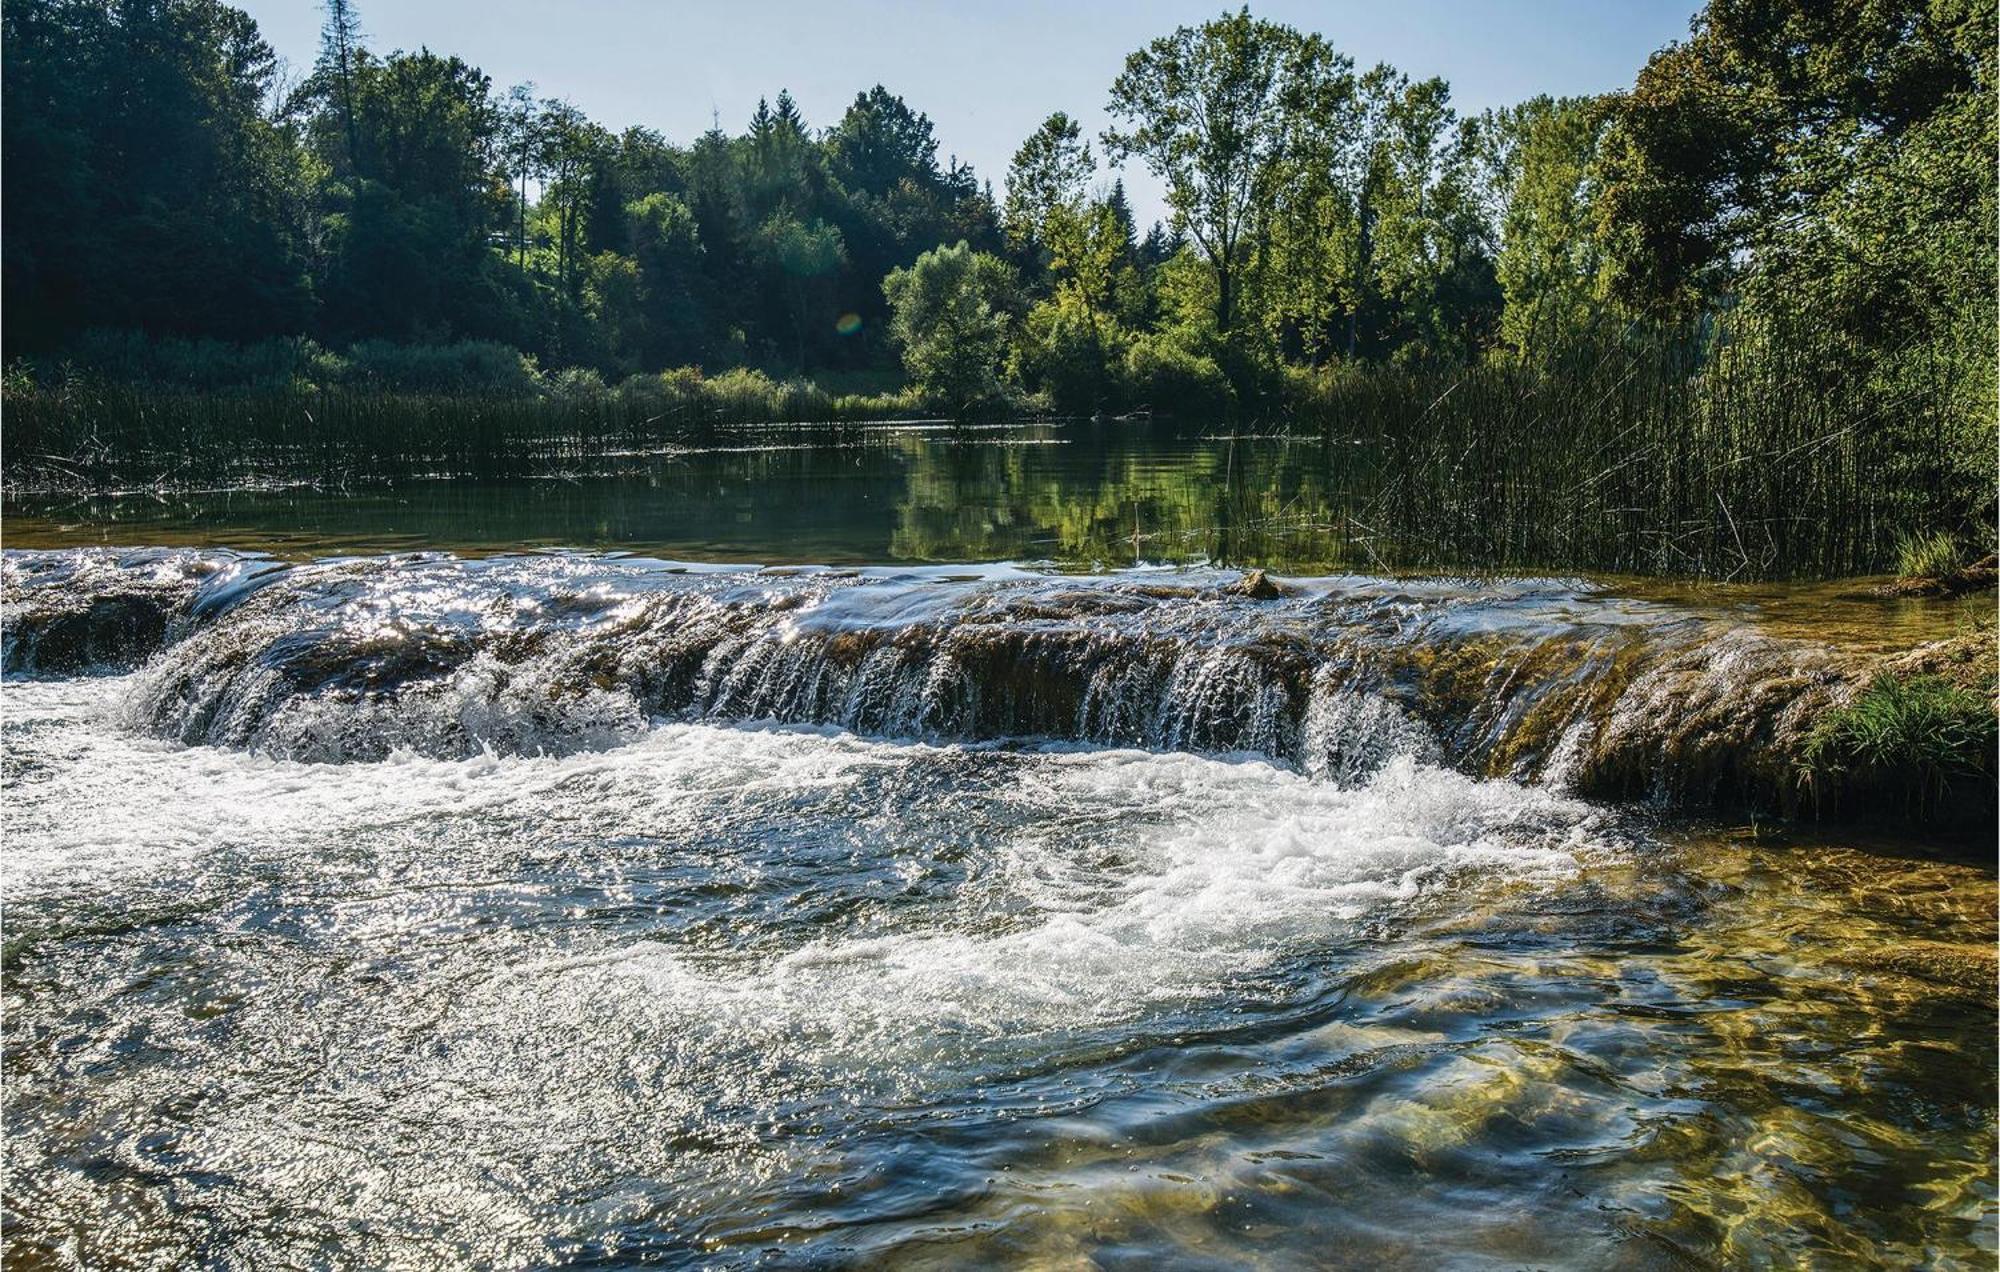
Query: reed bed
(1746, 458)
(1752, 452)
(90, 438)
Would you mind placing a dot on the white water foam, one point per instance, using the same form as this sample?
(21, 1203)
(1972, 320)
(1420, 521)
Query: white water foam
(1234, 865)
(1122, 881)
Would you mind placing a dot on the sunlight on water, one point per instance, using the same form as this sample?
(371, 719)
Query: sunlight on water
(567, 976)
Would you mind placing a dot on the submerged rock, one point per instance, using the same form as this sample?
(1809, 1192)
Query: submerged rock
(95, 609)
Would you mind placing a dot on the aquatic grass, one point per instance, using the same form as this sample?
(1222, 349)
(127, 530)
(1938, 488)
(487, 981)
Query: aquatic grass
(1928, 557)
(1911, 736)
(1751, 450)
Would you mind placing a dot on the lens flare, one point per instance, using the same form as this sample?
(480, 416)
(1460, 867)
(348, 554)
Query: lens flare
(848, 324)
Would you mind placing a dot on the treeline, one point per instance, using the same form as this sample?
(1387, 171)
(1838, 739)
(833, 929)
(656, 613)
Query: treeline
(1818, 169)
(166, 174)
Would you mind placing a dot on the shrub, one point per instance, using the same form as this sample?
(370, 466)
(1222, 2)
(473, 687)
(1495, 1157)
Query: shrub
(577, 384)
(131, 357)
(469, 366)
(1162, 373)
(682, 381)
(1066, 356)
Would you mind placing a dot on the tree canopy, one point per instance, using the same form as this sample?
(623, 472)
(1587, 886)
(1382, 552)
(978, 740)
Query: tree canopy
(1789, 157)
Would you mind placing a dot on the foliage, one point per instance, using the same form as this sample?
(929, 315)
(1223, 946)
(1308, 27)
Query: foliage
(467, 366)
(1922, 733)
(1166, 373)
(1204, 108)
(952, 315)
(1541, 158)
(1069, 357)
(1784, 229)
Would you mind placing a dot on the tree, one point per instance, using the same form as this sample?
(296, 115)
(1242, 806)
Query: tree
(1080, 241)
(1747, 143)
(801, 257)
(340, 39)
(880, 143)
(1051, 172)
(669, 253)
(521, 149)
(412, 208)
(1307, 274)
(1430, 253)
(1541, 159)
(1205, 109)
(951, 312)
(147, 184)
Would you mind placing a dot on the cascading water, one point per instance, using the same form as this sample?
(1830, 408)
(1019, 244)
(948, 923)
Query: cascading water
(421, 911)
(356, 659)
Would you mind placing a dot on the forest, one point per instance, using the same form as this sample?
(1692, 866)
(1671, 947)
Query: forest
(1774, 252)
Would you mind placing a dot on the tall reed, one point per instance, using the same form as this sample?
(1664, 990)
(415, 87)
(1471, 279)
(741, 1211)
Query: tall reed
(1751, 451)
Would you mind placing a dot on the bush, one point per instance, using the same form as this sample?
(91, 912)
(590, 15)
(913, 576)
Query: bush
(577, 384)
(1070, 359)
(877, 406)
(480, 367)
(1165, 375)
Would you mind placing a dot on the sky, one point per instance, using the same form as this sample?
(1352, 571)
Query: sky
(985, 71)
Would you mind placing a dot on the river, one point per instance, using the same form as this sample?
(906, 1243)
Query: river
(480, 907)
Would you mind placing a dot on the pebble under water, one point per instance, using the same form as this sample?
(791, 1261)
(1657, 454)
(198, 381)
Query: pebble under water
(420, 913)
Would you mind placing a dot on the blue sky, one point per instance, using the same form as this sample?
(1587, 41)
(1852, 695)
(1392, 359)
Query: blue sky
(986, 73)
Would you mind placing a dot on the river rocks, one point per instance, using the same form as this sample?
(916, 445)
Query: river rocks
(1977, 577)
(1257, 586)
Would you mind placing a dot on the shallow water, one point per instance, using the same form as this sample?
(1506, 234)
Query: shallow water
(408, 913)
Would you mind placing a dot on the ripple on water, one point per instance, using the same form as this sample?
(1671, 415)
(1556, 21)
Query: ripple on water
(719, 991)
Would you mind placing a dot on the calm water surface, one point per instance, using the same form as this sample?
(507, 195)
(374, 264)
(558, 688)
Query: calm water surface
(1079, 495)
(738, 992)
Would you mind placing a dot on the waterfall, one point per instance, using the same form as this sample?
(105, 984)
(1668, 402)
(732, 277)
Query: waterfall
(352, 660)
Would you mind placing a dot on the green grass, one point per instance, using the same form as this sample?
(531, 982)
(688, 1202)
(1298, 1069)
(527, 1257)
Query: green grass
(1915, 736)
(1927, 556)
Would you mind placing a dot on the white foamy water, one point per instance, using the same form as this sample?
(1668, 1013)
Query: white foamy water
(1223, 868)
(636, 962)
(1089, 884)
(728, 994)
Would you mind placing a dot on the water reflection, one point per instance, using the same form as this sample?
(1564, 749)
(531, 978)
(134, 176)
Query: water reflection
(1078, 495)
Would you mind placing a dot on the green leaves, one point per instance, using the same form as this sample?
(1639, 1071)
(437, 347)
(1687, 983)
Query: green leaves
(951, 313)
